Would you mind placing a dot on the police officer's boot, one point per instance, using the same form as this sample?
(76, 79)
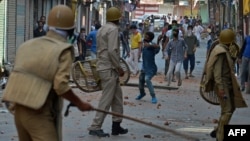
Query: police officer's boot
(98, 133)
(213, 133)
(117, 129)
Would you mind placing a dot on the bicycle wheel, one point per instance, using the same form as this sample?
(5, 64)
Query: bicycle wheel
(125, 78)
(210, 97)
(84, 80)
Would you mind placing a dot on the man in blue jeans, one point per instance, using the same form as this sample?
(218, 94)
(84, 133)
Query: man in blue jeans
(149, 68)
(191, 41)
(244, 59)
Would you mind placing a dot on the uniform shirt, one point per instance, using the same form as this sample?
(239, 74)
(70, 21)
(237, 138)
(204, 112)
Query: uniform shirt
(108, 51)
(54, 57)
(222, 73)
(135, 40)
(61, 81)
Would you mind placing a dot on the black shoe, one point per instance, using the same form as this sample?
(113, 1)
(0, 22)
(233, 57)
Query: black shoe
(98, 133)
(213, 134)
(117, 129)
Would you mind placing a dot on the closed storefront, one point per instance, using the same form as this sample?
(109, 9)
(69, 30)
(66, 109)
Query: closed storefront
(3, 9)
(21, 18)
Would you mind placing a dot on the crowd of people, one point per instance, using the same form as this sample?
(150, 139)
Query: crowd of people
(190, 30)
(81, 41)
(39, 89)
(226, 50)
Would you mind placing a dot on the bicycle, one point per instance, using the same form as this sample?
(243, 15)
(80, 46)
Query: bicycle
(86, 78)
(4, 74)
(5, 71)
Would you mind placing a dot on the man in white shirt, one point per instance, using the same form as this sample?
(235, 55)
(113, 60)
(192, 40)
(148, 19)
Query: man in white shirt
(169, 32)
(198, 29)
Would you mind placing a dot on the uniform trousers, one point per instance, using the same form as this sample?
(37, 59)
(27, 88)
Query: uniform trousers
(111, 98)
(227, 109)
(36, 125)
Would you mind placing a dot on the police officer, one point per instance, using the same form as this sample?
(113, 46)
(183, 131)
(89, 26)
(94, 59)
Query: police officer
(108, 67)
(220, 78)
(39, 80)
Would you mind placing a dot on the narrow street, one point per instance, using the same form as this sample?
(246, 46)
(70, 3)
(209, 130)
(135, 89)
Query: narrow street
(182, 110)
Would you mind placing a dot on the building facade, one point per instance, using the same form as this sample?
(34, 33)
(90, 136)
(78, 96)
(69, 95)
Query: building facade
(190, 8)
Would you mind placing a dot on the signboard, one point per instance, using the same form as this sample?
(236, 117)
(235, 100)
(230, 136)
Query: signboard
(165, 1)
(183, 3)
(151, 1)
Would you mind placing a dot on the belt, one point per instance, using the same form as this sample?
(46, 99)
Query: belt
(134, 48)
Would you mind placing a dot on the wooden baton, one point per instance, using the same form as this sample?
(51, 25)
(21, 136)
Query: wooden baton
(149, 124)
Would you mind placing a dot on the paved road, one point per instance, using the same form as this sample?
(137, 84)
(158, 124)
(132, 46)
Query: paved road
(182, 110)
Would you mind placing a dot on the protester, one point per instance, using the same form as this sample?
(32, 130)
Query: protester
(169, 35)
(39, 31)
(92, 37)
(198, 29)
(135, 50)
(124, 45)
(244, 60)
(126, 49)
(191, 41)
(82, 44)
(178, 49)
(149, 68)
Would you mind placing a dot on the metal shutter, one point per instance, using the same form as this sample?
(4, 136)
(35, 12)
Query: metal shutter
(3, 7)
(20, 25)
(29, 19)
(11, 30)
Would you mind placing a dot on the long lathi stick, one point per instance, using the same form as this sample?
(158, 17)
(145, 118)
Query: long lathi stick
(149, 124)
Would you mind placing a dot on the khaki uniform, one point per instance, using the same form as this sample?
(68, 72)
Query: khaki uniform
(108, 61)
(40, 75)
(220, 76)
